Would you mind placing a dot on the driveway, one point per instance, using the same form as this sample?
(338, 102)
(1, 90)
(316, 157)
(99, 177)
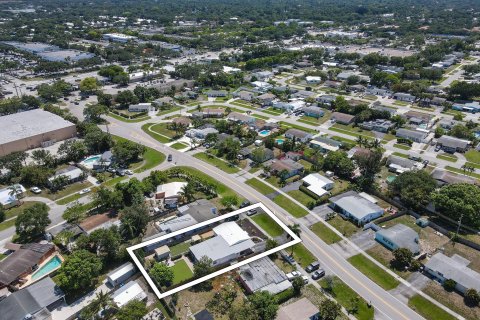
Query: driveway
(404, 292)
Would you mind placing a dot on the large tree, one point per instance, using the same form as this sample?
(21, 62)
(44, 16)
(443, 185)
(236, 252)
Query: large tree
(458, 200)
(162, 274)
(134, 221)
(75, 213)
(79, 271)
(135, 309)
(413, 187)
(338, 162)
(31, 223)
(265, 304)
(329, 310)
(72, 150)
(89, 84)
(127, 151)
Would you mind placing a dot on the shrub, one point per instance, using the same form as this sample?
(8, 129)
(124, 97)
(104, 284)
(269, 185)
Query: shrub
(449, 285)
(472, 298)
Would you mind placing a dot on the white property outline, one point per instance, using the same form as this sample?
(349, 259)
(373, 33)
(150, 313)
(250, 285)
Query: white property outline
(161, 295)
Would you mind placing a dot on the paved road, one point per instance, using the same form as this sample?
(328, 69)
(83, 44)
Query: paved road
(386, 304)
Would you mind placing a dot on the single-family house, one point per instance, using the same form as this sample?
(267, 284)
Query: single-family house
(182, 121)
(36, 301)
(241, 118)
(164, 101)
(246, 95)
(287, 167)
(302, 94)
(216, 93)
(121, 274)
(353, 206)
(342, 118)
(418, 118)
(200, 133)
(413, 135)
(399, 236)
(210, 113)
(130, 291)
(451, 144)
(313, 79)
(298, 135)
(374, 91)
(141, 107)
(72, 174)
(229, 243)
(263, 275)
(262, 75)
(326, 99)
(171, 190)
(444, 177)
(406, 97)
(472, 107)
(380, 125)
(261, 154)
(289, 106)
(244, 153)
(333, 84)
(265, 99)
(442, 267)
(399, 164)
(23, 261)
(303, 64)
(262, 85)
(325, 144)
(10, 196)
(314, 112)
(301, 309)
(318, 184)
(448, 124)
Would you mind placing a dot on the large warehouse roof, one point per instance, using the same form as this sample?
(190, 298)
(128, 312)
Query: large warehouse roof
(27, 124)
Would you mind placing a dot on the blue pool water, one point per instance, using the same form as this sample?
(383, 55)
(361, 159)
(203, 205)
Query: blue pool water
(92, 159)
(279, 141)
(51, 265)
(265, 132)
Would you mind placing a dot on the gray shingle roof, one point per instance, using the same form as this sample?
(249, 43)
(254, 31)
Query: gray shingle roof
(217, 248)
(264, 275)
(357, 206)
(402, 236)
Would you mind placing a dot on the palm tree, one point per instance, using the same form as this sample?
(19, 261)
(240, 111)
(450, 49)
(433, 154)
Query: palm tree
(360, 141)
(15, 191)
(375, 144)
(295, 228)
(104, 300)
(188, 192)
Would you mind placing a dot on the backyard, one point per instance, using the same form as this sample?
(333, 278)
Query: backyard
(181, 272)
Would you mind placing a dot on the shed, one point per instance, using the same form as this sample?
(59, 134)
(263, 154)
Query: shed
(121, 274)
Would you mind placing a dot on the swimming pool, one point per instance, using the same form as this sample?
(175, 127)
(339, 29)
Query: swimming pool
(51, 265)
(92, 159)
(264, 132)
(279, 141)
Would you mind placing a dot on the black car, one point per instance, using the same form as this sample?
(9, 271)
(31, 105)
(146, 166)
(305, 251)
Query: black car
(244, 204)
(318, 274)
(169, 157)
(312, 266)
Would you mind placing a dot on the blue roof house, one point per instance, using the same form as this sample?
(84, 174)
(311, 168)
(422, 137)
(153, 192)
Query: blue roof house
(399, 236)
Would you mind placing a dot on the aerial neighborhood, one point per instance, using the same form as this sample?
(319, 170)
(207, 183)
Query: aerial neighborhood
(293, 161)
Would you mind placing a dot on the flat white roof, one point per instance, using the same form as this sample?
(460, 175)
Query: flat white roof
(231, 232)
(14, 127)
(317, 179)
(6, 196)
(127, 293)
(319, 191)
(120, 271)
(171, 189)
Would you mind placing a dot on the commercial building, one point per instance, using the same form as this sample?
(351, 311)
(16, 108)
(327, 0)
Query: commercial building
(263, 275)
(33, 129)
(33, 302)
(399, 236)
(353, 206)
(130, 291)
(442, 267)
(118, 37)
(229, 243)
(121, 274)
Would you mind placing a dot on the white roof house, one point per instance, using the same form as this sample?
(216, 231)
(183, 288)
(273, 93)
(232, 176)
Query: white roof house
(171, 189)
(131, 291)
(318, 184)
(121, 273)
(7, 198)
(231, 232)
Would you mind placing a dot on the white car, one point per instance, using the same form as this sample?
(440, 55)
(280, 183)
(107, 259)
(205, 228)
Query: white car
(84, 191)
(292, 275)
(129, 172)
(35, 190)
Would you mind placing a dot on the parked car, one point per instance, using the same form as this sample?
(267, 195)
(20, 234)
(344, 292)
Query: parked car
(84, 191)
(437, 148)
(292, 275)
(425, 163)
(287, 258)
(305, 279)
(169, 158)
(312, 266)
(111, 170)
(251, 212)
(318, 274)
(35, 190)
(121, 172)
(129, 172)
(244, 204)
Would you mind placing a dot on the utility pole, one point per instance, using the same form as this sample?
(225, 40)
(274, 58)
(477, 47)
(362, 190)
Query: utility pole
(458, 227)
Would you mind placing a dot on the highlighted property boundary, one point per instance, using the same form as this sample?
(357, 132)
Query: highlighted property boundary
(160, 295)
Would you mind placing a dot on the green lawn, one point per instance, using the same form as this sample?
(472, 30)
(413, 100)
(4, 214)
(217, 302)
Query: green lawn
(301, 255)
(180, 248)
(259, 186)
(296, 126)
(243, 104)
(69, 199)
(473, 156)
(179, 146)
(112, 182)
(343, 294)
(399, 154)
(158, 137)
(400, 103)
(162, 128)
(268, 225)
(291, 207)
(346, 227)
(259, 116)
(162, 112)
(2, 256)
(401, 146)
(68, 190)
(15, 211)
(7, 224)
(214, 161)
(457, 170)
(324, 233)
(427, 309)
(352, 131)
(448, 157)
(374, 272)
(301, 197)
(314, 121)
(116, 116)
(272, 111)
(342, 139)
(181, 272)
(151, 159)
